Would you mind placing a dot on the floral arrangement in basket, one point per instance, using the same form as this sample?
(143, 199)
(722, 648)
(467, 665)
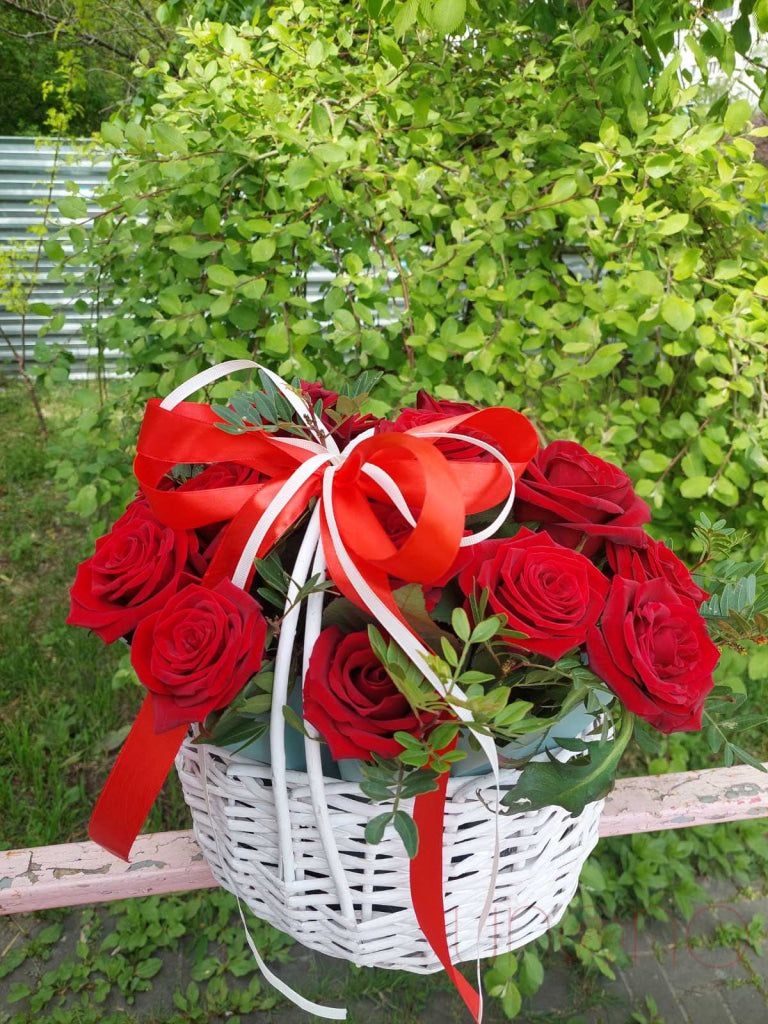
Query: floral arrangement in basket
(475, 603)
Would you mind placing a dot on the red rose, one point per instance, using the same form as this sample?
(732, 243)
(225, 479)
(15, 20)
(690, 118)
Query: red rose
(431, 409)
(198, 651)
(348, 428)
(654, 561)
(135, 570)
(351, 700)
(427, 402)
(552, 594)
(653, 650)
(577, 497)
(220, 474)
(394, 524)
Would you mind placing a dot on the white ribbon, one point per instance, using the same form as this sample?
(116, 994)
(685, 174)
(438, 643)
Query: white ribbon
(326, 451)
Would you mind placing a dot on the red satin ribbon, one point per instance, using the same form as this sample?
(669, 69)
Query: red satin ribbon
(427, 891)
(441, 492)
(141, 769)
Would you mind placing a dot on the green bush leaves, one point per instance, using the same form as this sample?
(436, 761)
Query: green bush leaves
(564, 225)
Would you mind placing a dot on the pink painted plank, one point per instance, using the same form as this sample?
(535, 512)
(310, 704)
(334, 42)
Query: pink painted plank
(649, 803)
(75, 873)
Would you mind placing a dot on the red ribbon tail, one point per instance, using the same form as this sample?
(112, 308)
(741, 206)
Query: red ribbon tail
(134, 783)
(427, 887)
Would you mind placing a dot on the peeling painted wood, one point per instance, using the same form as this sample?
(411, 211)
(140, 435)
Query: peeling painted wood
(75, 873)
(678, 800)
(165, 862)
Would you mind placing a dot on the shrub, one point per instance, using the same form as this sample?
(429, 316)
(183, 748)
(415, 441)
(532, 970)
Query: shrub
(538, 214)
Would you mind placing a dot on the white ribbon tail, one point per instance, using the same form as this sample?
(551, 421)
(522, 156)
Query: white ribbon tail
(326, 1012)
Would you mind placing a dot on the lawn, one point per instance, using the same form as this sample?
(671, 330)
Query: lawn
(66, 702)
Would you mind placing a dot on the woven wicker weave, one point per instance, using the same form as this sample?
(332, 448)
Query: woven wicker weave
(337, 894)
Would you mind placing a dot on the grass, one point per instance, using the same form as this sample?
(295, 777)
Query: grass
(66, 702)
(63, 716)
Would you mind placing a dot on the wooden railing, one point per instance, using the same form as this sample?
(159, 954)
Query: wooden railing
(74, 873)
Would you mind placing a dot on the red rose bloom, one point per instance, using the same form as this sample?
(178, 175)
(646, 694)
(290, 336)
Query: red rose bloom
(425, 401)
(429, 410)
(351, 700)
(654, 561)
(135, 570)
(394, 524)
(653, 650)
(220, 474)
(348, 428)
(552, 594)
(577, 497)
(198, 651)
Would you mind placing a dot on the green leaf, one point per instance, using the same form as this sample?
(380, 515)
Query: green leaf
(72, 207)
(221, 276)
(111, 133)
(136, 136)
(148, 968)
(390, 50)
(653, 462)
(212, 220)
(315, 53)
(511, 1000)
(695, 486)
(330, 153)
(660, 165)
(299, 173)
(375, 828)
(168, 139)
(678, 312)
(485, 630)
(531, 973)
(460, 624)
(263, 250)
(672, 224)
(686, 264)
(48, 936)
(447, 15)
(320, 120)
(17, 991)
(638, 116)
(737, 115)
(405, 17)
(571, 784)
(408, 832)
(444, 734)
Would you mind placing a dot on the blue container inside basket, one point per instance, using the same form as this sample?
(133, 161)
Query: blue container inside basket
(295, 759)
(475, 763)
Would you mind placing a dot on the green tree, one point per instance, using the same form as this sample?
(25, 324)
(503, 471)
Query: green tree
(537, 212)
(104, 38)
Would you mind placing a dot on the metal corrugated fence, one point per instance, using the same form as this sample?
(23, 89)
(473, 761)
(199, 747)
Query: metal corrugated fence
(29, 170)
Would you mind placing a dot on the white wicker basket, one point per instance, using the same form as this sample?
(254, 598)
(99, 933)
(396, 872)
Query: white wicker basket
(320, 881)
(291, 845)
